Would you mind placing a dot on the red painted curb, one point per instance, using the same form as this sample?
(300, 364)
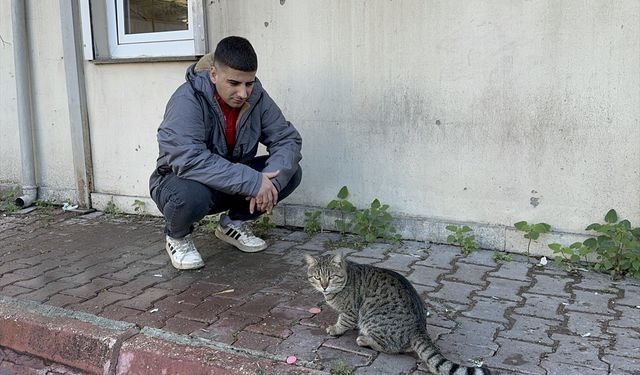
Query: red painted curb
(102, 346)
(64, 340)
(143, 354)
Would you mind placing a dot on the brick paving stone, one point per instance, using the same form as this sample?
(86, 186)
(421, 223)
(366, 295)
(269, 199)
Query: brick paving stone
(442, 314)
(147, 319)
(489, 309)
(576, 350)
(441, 256)
(397, 262)
(99, 302)
(11, 278)
(541, 306)
(375, 250)
(518, 357)
(631, 296)
(480, 257)
(255, 341)
(596, 281)
(45, 292)
(178, 283)
(11, 267)
(626, 344)
(63, 300)
(456, 292)
(131, 271)
(226, 327)
(199, 291)
(513, 270)
(436, 332)
(473, 332)
(462, 353)
(389, 364)
(469, 273)
(347, 343)
(297, 237)
(91, 289)
(145, 300)
(587, 324)
(570, 369)
(327, 317)
(260, 305)
(208, 310)
(506, 289)
(182, 326)
(552, 285)
(527, 328)
(426, 275)
(622, 365)
(271, 326)
(14, 290)
(415, 248)
(279, 247)
(118, 312)
(629, 318)
(334, 359)
(591, 302)
(289, 314)
(303, 342)
(86, 275)
(135, 286)
(173, 305)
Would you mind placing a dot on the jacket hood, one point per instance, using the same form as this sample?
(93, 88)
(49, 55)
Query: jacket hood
(201, 83)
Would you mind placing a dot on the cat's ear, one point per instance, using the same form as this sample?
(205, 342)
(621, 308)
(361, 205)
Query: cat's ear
(337, 259)
(311, 261)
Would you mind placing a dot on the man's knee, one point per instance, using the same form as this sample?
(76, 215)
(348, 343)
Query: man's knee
(184, 195)
(292, 185)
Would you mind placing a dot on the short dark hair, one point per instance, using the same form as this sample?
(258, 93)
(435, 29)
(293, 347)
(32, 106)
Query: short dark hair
(236, 53)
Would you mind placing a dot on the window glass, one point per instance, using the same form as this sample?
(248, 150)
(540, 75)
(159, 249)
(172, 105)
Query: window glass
(148, 16)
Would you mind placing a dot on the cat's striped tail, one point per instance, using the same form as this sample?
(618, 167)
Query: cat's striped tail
(437, 363)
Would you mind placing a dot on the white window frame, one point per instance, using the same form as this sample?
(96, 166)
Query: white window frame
(191, 42)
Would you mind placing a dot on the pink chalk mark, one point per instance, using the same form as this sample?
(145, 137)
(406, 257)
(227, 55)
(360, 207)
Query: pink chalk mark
(291, 359)
(315, 310)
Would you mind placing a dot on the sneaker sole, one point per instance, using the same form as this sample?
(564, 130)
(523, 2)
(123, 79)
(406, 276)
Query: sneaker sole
(183, 266)
(238, 245)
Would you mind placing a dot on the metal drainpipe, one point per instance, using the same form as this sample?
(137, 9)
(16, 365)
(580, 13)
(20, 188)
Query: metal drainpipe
(23, 91)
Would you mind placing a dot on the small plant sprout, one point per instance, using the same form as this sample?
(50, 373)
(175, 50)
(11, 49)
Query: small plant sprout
(373, 223)
(617, 247)
(312, 223)
(345, 207)
(112, 209)
(263, 225)
(461, 238)
(532, 231)
(566, 255)
(497, 255)
(138, 206)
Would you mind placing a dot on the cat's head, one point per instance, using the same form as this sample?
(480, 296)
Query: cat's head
(327, 273)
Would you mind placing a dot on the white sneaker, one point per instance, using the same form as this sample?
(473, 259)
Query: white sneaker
(241, 237)
(183, 253)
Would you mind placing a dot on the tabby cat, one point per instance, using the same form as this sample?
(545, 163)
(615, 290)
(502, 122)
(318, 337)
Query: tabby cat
(384, 306)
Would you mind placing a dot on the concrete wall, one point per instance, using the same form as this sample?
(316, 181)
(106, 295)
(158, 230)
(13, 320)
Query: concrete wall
(54, 162)
(487, 112)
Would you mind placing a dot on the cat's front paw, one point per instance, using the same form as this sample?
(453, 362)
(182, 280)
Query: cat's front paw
(333, 330)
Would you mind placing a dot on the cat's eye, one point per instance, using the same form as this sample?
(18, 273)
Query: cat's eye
(316, 277)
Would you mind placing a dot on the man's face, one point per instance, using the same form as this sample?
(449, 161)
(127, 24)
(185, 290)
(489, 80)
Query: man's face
(233, 86)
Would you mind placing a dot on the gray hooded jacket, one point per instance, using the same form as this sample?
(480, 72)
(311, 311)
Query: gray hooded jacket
(192, 143)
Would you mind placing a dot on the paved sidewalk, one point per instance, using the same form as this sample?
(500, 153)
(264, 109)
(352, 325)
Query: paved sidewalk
(97, 294)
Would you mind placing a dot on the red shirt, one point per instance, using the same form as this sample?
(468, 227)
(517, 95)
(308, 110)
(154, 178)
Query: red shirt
(230, 119)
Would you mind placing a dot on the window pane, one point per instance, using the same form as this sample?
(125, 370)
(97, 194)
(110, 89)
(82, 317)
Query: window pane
(148, 16)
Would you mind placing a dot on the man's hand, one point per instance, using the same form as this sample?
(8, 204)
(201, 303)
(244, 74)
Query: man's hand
(267, 196)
